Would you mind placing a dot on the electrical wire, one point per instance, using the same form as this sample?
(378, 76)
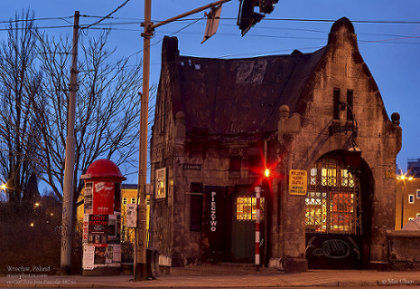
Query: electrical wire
(46, 27)
(35, 19)
(105, 17)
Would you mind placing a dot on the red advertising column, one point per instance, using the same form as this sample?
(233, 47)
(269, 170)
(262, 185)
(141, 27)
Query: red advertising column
(102, 219)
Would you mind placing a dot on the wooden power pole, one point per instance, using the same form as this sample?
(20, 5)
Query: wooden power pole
(141, 231)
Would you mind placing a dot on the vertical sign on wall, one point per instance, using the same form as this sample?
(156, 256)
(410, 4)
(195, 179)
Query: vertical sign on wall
(213, 212)
(214, 222)
(160, 188)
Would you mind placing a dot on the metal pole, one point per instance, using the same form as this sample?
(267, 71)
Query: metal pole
(67, 212)
(140, 271)
(402, 205)
(257, 227)
(188, 13)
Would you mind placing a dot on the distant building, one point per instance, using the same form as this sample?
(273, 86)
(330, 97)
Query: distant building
(220, 122)
(407, 199)
(413, 168)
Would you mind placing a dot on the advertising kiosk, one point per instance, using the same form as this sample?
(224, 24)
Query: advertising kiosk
(102, 219)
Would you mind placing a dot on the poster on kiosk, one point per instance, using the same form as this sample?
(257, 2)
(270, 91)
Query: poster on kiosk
(102, 219)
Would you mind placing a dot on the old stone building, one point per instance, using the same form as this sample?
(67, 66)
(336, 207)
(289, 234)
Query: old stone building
(220, 122)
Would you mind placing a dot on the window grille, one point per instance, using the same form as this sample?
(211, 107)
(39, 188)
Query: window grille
(246, 208)
(332, 202)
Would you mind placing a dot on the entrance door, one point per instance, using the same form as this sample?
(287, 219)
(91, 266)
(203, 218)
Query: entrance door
(333, 216)
(243, 225)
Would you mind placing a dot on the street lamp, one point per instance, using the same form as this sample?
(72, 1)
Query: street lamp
(404, 178)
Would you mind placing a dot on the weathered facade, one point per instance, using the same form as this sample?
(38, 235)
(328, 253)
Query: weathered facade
(218, 123)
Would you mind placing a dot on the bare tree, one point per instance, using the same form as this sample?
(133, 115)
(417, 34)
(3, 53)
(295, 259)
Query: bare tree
(20, 83)
(107, 108)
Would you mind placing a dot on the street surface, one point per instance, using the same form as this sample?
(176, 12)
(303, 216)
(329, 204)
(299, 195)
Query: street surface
(186, 278)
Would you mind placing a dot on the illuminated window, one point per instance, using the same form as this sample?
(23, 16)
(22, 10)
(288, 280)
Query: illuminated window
(329, 177)
(316, 212)
(411, 199)
(347, 179)
(246, 208)
(312, 176)
(332, 202)
(341, 212)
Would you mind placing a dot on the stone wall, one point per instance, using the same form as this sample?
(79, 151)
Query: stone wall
(404, 253)
(378, 139)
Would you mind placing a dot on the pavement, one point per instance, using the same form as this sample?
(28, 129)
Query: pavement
(221, 277)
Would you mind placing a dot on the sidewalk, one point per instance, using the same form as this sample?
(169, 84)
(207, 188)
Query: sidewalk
(264, 278)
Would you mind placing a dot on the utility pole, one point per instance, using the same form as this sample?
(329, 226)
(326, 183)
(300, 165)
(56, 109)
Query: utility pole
(140, 270)
(67, 212)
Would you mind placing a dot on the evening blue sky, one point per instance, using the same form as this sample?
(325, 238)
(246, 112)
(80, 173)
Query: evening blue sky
(390, 50)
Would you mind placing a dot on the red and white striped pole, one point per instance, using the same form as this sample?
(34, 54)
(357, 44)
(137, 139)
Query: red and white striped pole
(257, 227)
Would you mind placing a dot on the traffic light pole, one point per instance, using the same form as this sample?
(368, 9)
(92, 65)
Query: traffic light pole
(140, 269)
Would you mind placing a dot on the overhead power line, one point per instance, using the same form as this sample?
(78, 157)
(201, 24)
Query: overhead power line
(36, 19)
(137, 21)
(46, 27)
(105, 17)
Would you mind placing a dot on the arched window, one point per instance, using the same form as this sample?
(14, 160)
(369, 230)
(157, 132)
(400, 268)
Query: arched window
(332, 202)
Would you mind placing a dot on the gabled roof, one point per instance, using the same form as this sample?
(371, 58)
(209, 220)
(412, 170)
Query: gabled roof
(242, 95)
(234, 96)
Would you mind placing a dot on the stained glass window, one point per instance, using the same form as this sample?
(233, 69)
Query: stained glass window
(332, 202)
(347, 179)
(341, 212)
(329, 177)
(312, 176)
(316, 212)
